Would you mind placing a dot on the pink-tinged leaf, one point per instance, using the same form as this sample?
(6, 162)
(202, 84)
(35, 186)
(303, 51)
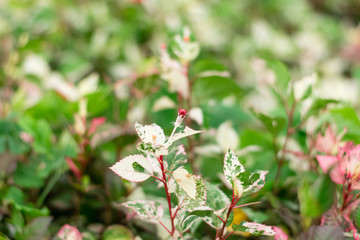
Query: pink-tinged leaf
(68, 232)
(332, 217)
(355, 185)
(327, 142)
(148, 210)
(132, 168)
(180, 150)
(279, 234)
(326, 162)
(349, 209)
(73, 167)
(95, 123)
(336, 175)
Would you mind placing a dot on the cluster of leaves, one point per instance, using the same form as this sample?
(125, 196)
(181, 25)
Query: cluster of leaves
(75, 76)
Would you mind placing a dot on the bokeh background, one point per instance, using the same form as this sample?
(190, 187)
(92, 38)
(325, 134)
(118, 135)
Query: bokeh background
(58, 56)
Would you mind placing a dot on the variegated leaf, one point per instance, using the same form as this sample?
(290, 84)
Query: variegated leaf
(250, 182)
(154, 163)
(206, 214)
(216, 205)
(256, 229)
(186, 181)
(151, 134)
(184, 133)
(134, 168)
(190, 204)
(176, 157)
(232, 166)
(146, 209)
(216, 199)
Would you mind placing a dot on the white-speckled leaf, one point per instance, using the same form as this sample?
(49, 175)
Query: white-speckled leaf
(152, 134)
(134, 168)
(250, 182)
(154, 163)
(146, 209)
(190, 204)
(256, 229)
(186, 181)
(185, 133)
(206, 214)
(232, 166)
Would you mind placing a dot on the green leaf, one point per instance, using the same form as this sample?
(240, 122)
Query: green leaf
(15, 195)
(346, 118)
(273, 125)
(356, 218)
(218, 113)
(317, 105)
(10, 137)
(17, 220)
(40, 130)
(255, 216)
(317, 198)
(117, 232)
(215, 87)
(207, 65)
(36, 229)
(282, 74)
(207, 215)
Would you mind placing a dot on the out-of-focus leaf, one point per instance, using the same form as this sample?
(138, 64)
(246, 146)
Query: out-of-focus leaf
(282, 74)
(323, 233)
(356, 217)
(148, 210)
(216, 114)
(317, 198)
(273, 125)
(346, 118)
(117, 232)
(215, 87)
(10, 137)
(36, 229)
(317, 105)
(40, 130)
(255, 229)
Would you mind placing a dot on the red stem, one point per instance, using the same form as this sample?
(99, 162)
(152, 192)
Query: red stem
(234, 201)
(165, 227)
(168, 194)
(346, 194)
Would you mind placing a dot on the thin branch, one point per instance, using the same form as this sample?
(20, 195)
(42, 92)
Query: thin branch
(246, 204)
(165, 227)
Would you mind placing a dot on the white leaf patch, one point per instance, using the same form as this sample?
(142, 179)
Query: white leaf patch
(151, 134)
(186, 181)
(187, 132)
(127, 168)
(154, 163)
(232, 166)
(146, 209)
